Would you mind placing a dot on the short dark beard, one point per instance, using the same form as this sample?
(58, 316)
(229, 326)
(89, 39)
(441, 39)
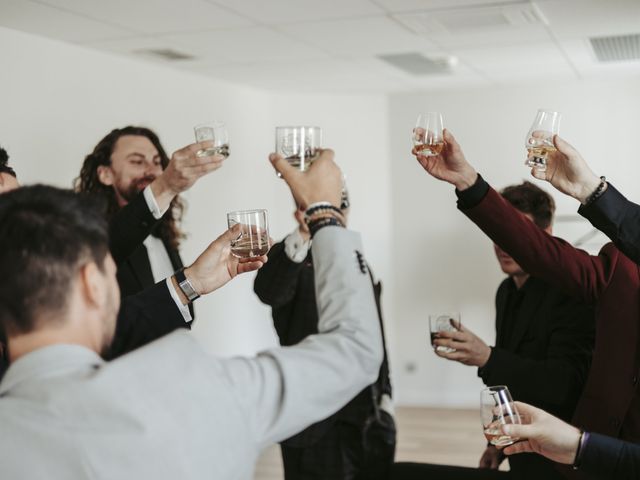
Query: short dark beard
(136, 187)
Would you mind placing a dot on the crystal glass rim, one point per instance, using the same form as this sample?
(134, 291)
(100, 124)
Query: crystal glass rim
(212, 123)
(238, 212)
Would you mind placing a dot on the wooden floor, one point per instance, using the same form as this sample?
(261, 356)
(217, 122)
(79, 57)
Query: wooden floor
(445, 436)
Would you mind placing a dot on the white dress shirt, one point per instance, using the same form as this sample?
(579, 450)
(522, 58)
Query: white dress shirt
(161, 267)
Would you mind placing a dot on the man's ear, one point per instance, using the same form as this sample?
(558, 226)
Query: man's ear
(105, 175)
(92, 283)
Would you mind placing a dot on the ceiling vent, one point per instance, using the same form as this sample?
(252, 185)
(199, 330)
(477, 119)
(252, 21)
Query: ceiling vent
(167, 54)
(418, 64)
(475, 19)
(622, 48)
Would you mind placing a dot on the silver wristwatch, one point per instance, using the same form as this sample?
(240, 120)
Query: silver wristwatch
(185, 286)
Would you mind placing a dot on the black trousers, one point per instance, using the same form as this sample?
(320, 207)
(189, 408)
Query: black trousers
(345, 452)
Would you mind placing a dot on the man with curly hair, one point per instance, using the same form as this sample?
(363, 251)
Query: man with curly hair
(130, 169)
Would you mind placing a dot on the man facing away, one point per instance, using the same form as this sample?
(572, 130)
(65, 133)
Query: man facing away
(167, 410)
(544, 339)
(358, 441)
(131, 171)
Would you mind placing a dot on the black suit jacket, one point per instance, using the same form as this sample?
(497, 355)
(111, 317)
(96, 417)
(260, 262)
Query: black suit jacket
(142, 318)
(618, 218)
(545, 361)
(606, 458)
(128, 228)
(289, 288)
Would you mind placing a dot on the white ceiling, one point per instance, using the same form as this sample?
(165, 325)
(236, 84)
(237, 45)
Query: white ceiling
(332, 45)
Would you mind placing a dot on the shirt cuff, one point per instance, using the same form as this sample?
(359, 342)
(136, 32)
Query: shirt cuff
(296, 247)
(184, 309)
(152, 204)
(473, 195)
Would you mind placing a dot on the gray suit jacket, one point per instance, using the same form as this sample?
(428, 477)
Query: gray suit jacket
(170, 411)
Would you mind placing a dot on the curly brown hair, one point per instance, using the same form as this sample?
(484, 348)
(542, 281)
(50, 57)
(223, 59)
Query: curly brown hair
(88, 181)
(531, 199)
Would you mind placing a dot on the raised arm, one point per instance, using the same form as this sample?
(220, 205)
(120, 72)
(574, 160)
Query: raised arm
(618, 218)
(293, 387)
(550, 258)
(284, 390)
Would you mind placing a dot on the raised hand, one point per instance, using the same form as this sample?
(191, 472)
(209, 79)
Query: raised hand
(184, 169)
(568, 172)
(216, 265)
(450, 165)
(322, 182)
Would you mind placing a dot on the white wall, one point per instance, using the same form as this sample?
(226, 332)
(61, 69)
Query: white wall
(441, 260)
(58, 100)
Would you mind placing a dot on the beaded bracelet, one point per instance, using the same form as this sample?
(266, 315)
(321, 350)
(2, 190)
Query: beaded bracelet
(319, 214)
(316, 225)
(322, 207)
(597, 193)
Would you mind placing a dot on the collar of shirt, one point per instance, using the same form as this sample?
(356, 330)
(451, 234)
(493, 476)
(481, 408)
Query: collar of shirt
(47, 362)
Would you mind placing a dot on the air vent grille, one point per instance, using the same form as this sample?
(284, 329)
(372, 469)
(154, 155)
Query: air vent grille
(622, 48)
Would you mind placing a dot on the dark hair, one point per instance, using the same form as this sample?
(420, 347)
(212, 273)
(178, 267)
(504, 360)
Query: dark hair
(531, 199)
(4, 163)
(46, 235)
(89, 182)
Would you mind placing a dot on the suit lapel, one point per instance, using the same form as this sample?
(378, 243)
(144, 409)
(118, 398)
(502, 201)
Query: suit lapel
(140, 266)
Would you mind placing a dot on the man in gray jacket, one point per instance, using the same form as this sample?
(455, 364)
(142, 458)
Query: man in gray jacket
(167, 410)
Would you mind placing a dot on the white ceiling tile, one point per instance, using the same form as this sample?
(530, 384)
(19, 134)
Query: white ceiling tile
(155, 16)
(364, 36)
(537, 60)
(243, 45)
(498, 37)
(588, 18)
(321, 76)
(289, 11)
(51, 22)
(418, 5)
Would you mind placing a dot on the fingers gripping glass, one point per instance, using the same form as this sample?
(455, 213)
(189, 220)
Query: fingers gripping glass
(539, 141)
(253, 239)
(217, 134)
(298, 145)
(443, 322)
(427, 136)
(497, 409)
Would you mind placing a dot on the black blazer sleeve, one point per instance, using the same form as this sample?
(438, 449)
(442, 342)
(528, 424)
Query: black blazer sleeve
(277, 280)
(145, 317)
(129, 227)
(609, 458)
(618, 218)
(554, 380)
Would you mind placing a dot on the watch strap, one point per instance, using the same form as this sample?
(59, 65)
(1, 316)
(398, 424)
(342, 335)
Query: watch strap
(185, 286)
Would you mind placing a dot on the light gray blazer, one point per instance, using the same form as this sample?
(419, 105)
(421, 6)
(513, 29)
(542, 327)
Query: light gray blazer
(171, 411)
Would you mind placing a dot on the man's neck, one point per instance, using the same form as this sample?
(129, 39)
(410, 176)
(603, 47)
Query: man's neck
(520, 280)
